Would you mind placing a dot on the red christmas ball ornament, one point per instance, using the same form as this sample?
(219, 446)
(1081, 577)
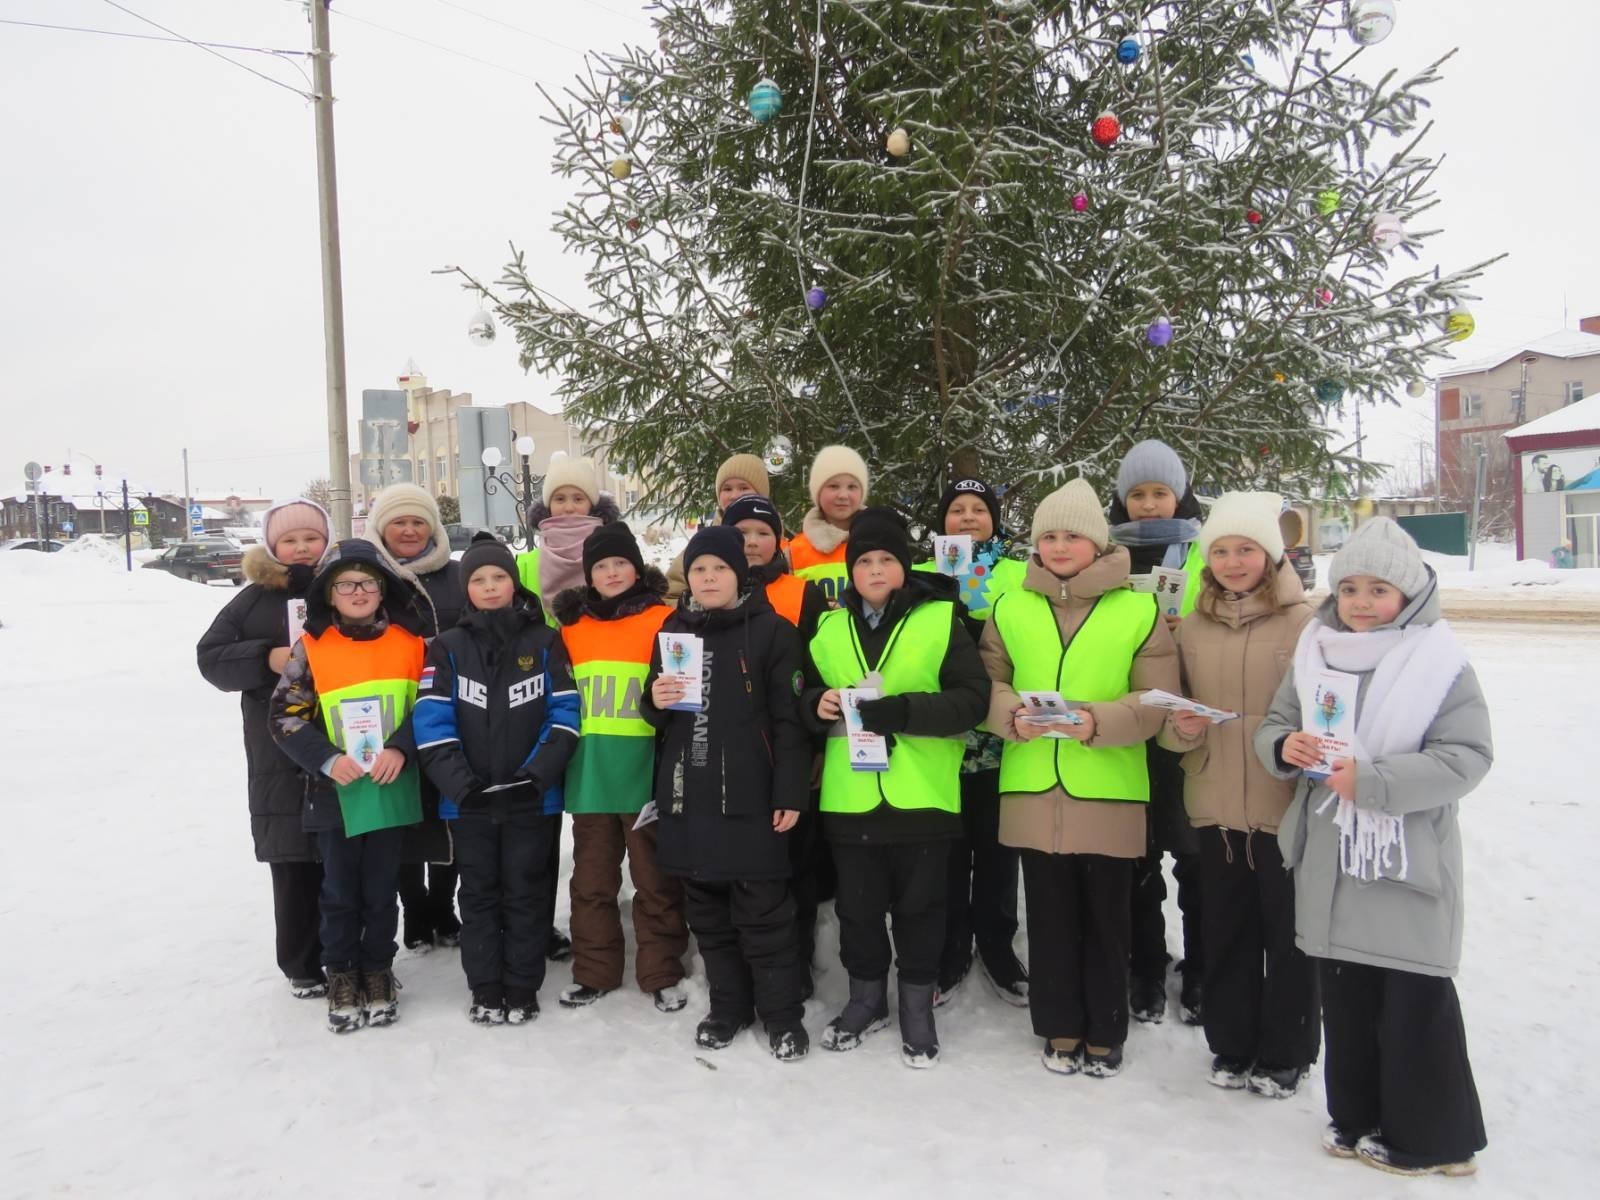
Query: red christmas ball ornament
(1106, 130)
(1324, 295)
(633, 224)
(1252, 216)
(1080, 202)
(1264, 450)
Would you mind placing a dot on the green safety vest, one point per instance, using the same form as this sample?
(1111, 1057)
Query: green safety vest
(1191, 585)
(528, 572)
(1095, 666)
(382, 672)
(924, 772)
(980, 589)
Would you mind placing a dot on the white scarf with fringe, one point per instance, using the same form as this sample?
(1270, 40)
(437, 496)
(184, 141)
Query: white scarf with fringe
(1413, 670)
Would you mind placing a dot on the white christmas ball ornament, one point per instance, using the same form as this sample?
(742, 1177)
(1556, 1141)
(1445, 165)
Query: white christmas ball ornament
(779, 454)
(480, 330)
(1387, 231)
(1417, 389)
(1370, 21)
(899, 143)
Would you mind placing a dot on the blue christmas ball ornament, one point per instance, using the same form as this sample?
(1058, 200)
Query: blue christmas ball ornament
(816, 299)
(1044, 400)
(766, 101)
(1128, 51)
(1329, 391)
(625, 95)
(1160, 332)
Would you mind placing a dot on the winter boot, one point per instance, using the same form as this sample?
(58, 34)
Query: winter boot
(1228, 1072)
(1007, 976)
(1376, 1152)
(416, 929)
(1102, 1066)
(344, 1001)
(866, 1012)
(789, 1045)
(488, 1005)
(446, 925)
(1191, 995)
(559, 947)
(670, 998)
(522, 1005)
(380, 997)
(718, 1030)
(919, 1040)
(1147, 999)
(1275, 1083)
(1342, 1143)
(950, 977)
(1064, 1056)
(580, 995)
(310, 988)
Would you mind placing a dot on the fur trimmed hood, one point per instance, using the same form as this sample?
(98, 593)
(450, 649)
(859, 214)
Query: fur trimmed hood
(605, 509)
(260, 567)
(422, 603)
(825, 538)
(576, 602)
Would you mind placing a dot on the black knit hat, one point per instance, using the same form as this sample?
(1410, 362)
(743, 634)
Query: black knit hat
(719, 541)
(611, 541)
(487, 550)
(753, 508)
(878, 529)
(968, 487)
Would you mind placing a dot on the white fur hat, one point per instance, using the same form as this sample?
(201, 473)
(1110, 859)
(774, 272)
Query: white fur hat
(1252, 515)
(837, 460)
(571, 472)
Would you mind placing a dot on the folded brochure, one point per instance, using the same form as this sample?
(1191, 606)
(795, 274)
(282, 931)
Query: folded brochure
(681, 657)
(1156, 698)
(868, 751)
(1050, 710)
(1332, 719)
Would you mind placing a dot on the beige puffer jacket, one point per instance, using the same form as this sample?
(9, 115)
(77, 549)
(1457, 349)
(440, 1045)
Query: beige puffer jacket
(1236, 661)
(1055, 822)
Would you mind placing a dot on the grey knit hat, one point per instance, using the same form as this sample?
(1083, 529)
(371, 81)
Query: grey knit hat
(1151, 461)
(1382, 549)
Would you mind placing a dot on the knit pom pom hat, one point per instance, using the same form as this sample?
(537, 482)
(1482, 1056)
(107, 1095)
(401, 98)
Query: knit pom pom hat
(837, 460)
(1075, 508)
(1252, 515)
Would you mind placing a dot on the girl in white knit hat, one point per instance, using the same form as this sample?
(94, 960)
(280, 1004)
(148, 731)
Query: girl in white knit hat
(838, 484)
(1073, 795)
(1375, 846)
(1233, 650)
(570, 507)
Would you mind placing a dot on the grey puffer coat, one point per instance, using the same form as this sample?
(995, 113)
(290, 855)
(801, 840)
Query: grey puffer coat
(1412, 924)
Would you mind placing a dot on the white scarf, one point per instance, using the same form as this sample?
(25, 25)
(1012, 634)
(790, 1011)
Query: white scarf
(1413, 670)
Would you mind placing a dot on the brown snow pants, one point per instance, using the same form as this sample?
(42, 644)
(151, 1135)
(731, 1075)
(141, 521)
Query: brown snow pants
(599, 841)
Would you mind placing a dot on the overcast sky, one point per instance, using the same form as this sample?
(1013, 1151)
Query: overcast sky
(160, 224)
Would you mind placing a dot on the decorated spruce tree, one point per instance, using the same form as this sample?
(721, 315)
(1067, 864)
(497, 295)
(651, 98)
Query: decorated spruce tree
(1001, 237)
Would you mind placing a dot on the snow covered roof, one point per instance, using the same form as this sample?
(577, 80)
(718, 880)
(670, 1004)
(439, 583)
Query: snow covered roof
(86, 500)
(1582, 417)
(1568, 343)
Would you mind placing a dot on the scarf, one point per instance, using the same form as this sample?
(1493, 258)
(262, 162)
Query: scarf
(426, 550)
(561, 552)
(1413, 670)
(1144, 538)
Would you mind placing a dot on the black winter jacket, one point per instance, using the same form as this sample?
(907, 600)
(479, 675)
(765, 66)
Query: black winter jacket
(497, 712)
(722, 772)
(233, 657)
(961, 702)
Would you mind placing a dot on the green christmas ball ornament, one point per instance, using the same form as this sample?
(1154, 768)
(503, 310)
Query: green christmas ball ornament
(766, 101)
(1329, 392)
(1328, 201)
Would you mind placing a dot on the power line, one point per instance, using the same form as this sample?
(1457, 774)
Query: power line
(411, 37)
(209, 50)
(507, 25)
(155, 37)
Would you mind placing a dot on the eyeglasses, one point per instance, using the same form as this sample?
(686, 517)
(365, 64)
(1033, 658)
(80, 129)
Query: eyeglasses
(349, 587)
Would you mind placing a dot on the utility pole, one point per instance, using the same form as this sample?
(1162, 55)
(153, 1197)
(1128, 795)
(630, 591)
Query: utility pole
(127, 527)
(332, 280)
(188, 500)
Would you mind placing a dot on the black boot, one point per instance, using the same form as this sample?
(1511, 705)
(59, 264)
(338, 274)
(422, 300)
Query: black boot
(789, 1045)
(1191, 996)
(522, 1005)
(866, 1012)
(488, 1005)
(1007, 976)
(559, 947)
(919, 1040)
(718, 1030)
(1147, 999)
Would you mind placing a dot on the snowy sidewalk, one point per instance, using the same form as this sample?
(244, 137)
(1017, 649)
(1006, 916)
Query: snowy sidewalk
(151, 1050)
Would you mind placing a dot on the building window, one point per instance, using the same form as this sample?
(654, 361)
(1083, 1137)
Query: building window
(1574, 390)
(1471, 404)
(422, 473)
(441, 476)
(1516, 403)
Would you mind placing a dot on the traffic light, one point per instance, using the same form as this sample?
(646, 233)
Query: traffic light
(66, 468)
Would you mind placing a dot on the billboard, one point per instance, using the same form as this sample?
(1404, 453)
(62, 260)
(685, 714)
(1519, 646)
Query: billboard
(1561, 470)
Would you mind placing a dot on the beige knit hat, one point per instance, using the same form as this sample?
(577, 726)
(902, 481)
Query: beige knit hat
(748, 468)
(571, 472)
(1252, 515)
(837, 460)
(403, 500)
(1075, 508)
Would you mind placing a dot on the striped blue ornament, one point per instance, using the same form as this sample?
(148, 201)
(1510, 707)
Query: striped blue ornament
(766, 101)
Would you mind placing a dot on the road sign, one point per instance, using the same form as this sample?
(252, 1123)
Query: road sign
(197, 524)
(141, 518)
(32, 472)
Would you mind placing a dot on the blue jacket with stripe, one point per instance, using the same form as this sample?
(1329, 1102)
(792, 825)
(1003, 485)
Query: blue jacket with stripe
(497, 712)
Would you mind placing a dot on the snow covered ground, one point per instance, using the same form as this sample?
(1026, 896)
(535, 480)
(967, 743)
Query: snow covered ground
(149, 1047)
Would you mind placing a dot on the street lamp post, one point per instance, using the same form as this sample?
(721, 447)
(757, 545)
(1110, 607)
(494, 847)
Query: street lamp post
(496, 480)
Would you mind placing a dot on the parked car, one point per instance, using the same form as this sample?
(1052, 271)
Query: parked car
(203, 560)
(49, 546)
(461, 535)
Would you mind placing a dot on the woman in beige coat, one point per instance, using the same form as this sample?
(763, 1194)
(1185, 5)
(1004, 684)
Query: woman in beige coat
(1262, 1024)
(1073, 796)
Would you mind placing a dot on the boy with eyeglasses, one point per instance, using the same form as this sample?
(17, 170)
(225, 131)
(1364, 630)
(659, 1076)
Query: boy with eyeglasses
(342, 711)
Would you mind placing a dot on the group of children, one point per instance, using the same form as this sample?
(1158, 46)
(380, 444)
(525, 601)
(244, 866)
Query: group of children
(1321, 886)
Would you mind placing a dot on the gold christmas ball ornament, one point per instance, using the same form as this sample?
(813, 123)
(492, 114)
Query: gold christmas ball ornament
(621, 168)
(898, 143)
(1460, 324)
